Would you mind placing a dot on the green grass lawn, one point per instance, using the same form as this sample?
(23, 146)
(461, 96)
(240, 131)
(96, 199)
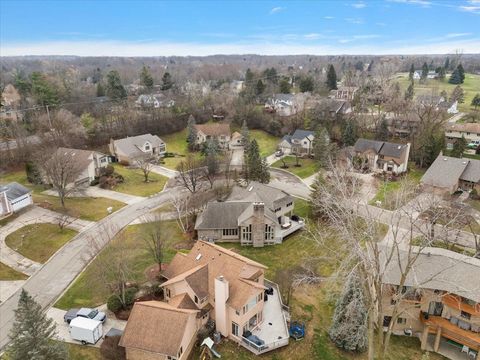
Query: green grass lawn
(88, 289)
(266, 142)
(39, 242)
(7, 273)
(134, 183)
(475, 204)
(471, 86)
(81, 352)
(308, 166)
(86, 208)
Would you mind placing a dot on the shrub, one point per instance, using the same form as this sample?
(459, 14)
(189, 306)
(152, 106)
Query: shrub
(33, 175)
(130, 295)
(110, 349)
(114, 304)
(474, 195)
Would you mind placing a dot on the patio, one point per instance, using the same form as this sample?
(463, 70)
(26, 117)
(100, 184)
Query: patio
(273, 329)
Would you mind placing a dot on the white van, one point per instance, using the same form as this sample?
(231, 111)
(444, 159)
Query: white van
(85, 330)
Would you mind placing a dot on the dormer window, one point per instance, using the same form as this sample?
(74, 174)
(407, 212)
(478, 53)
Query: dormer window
(195, 298)
(147, 147)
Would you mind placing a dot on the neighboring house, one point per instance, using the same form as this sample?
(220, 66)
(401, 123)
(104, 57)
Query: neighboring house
(237, 140)
(332, 108)
(432, 74)
(441, 299)
(448, 174)
(10, 102)
(344, 93)
(217, 131)
(470, 131)
(282, 104)
(13, 198)
(257, 215)
(299, 143)
(403, 126)
(417, 75)
(439, 102)
(155, 101)
(128, 149)
(208, 283)
(449, 106)
(90, 163)
(382, 156)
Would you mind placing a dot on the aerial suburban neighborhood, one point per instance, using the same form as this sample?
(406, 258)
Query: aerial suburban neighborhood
(239, 180)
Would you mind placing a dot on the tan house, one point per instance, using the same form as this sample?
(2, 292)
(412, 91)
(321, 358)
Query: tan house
(469, 131)
(448, 174)
(257, 215)
(440, 301)
(344, 93)
(219, 132)
(10, 102)
(381, 156)
(128, 149)
(210, 282)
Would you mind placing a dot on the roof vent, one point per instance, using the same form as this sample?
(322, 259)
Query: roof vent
(250, 188)
(199, 256)
(464, 162)
(445, 159)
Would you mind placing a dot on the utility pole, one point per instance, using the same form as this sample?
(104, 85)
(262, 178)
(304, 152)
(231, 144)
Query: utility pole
(49, 120)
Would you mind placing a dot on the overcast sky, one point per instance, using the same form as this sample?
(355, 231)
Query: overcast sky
(156, 28)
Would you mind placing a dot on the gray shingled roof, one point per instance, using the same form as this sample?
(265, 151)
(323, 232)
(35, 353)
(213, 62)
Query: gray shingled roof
(256, 192)
(221, 215)
(444, 172)
(14, 190)
(364, 144)
(472, 172)
(300, 134)
(381, 147)
(392, 149)
(131, 145)
(437, 268)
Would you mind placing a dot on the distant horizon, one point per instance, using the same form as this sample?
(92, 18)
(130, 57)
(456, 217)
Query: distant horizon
(203, 28)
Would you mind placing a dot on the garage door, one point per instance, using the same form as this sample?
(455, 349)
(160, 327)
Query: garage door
(21, 202)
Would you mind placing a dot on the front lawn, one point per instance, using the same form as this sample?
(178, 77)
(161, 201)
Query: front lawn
(85, 208)
(134, 183)
(39, 242)
(177, 143)
(267, 143)
(308, 166)
(88, 290)
(82, 352)
(9, 274)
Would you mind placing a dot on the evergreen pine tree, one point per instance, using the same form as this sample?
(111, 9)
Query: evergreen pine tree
(306, 84)
(423, 77)
(476, 101)
(167, 81)
(459, 147)
(245, 136)
(441, 73)
(331, 78)
(461, 71)
(257, 168)
(146, 78)
(455, 78)
(115, 89)
(321, 147)
(285, 86)
(446, 66)
(32, 333)
(191, 133)
(349, 330)
(100, 90)
(349, 136)
(382, 131)
(411, 72)
(260, 87)
(410, 91)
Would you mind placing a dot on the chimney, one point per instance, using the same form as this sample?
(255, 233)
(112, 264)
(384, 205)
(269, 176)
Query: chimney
(258, 224)
(221, 297)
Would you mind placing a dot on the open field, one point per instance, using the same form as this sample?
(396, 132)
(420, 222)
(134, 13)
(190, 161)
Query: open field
(471, 86)
(308, 166)
(39, 242)
(88, 289)
(134, 183)
(7, 273)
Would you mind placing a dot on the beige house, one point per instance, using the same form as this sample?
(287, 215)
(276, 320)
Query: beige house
(257, 215)
(219, 132)
(469, 131)
(128, 149)
(344, 93)
(440, 301)
(300, 142)
(448, 174)
(210, 282)
(381, 156)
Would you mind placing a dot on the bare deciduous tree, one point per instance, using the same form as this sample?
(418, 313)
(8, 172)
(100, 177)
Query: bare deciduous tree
(191, 173)
(154, 239)
(145, 163)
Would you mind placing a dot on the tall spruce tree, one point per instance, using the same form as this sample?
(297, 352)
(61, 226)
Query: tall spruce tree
(245, 136)
(331, 78)
(455, 77)
(191, 133)
(458, 95)
(349, 329)
(349, 134)
(461, 71)
(459, 147)
(114, 87)
(257, 168)
(424, 75)
(382, 130)
(167, 81)
(321, 147)
(410, 91)
(306, 84)
(476, 101)
(146, 78)
(411, 72)
(260, 88)
(32, 333)
(285, 85)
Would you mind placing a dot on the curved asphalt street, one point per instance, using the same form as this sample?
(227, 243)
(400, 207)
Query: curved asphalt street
(56, 275)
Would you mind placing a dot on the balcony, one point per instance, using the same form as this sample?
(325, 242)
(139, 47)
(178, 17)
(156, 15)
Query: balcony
(273, 330)
(290, 226)
(452, 332)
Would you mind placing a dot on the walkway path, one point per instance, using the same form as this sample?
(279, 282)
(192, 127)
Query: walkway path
(94, 191)
(63, 267)
(35, 215)
(161, 170)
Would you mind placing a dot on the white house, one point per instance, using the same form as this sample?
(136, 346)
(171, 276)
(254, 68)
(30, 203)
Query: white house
(282, 104)
(469, 131)
(13, 198)
(417, 75)
(155, 101)
(300, 142)
(128, 149)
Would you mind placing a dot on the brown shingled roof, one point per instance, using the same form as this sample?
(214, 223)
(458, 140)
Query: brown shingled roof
(214, 129)
(146, 327)
(182, 301)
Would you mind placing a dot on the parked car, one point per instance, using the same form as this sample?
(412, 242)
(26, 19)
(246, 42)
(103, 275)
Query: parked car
(88, 313)
(474, 144)
(278, 153)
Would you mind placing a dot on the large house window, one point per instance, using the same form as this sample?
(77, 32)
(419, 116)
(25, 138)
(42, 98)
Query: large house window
(401, 320)
(234, 329)
(196, 299)
(247, 232)
(290, 204)
(230, 232)
(278, 209)
(167, 290)
(268, 232)
(147, 147)
(465, 315)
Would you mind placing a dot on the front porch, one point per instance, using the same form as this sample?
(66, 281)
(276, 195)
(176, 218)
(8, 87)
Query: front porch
(273, 330)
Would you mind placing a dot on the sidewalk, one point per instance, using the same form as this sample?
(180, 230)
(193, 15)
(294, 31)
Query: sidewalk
(161, 170)
(94, 191)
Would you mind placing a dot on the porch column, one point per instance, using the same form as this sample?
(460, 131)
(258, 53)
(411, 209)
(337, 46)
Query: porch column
(423, 344)
(438, 336)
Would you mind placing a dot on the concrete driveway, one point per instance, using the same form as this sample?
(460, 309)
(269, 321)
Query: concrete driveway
(237, 158)
(161, 170)
(63, 333)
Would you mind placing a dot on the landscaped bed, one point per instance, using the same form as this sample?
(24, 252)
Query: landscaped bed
(86, 208)
(39, 242)
(307, 167)
(134, 182)
(9, 274)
